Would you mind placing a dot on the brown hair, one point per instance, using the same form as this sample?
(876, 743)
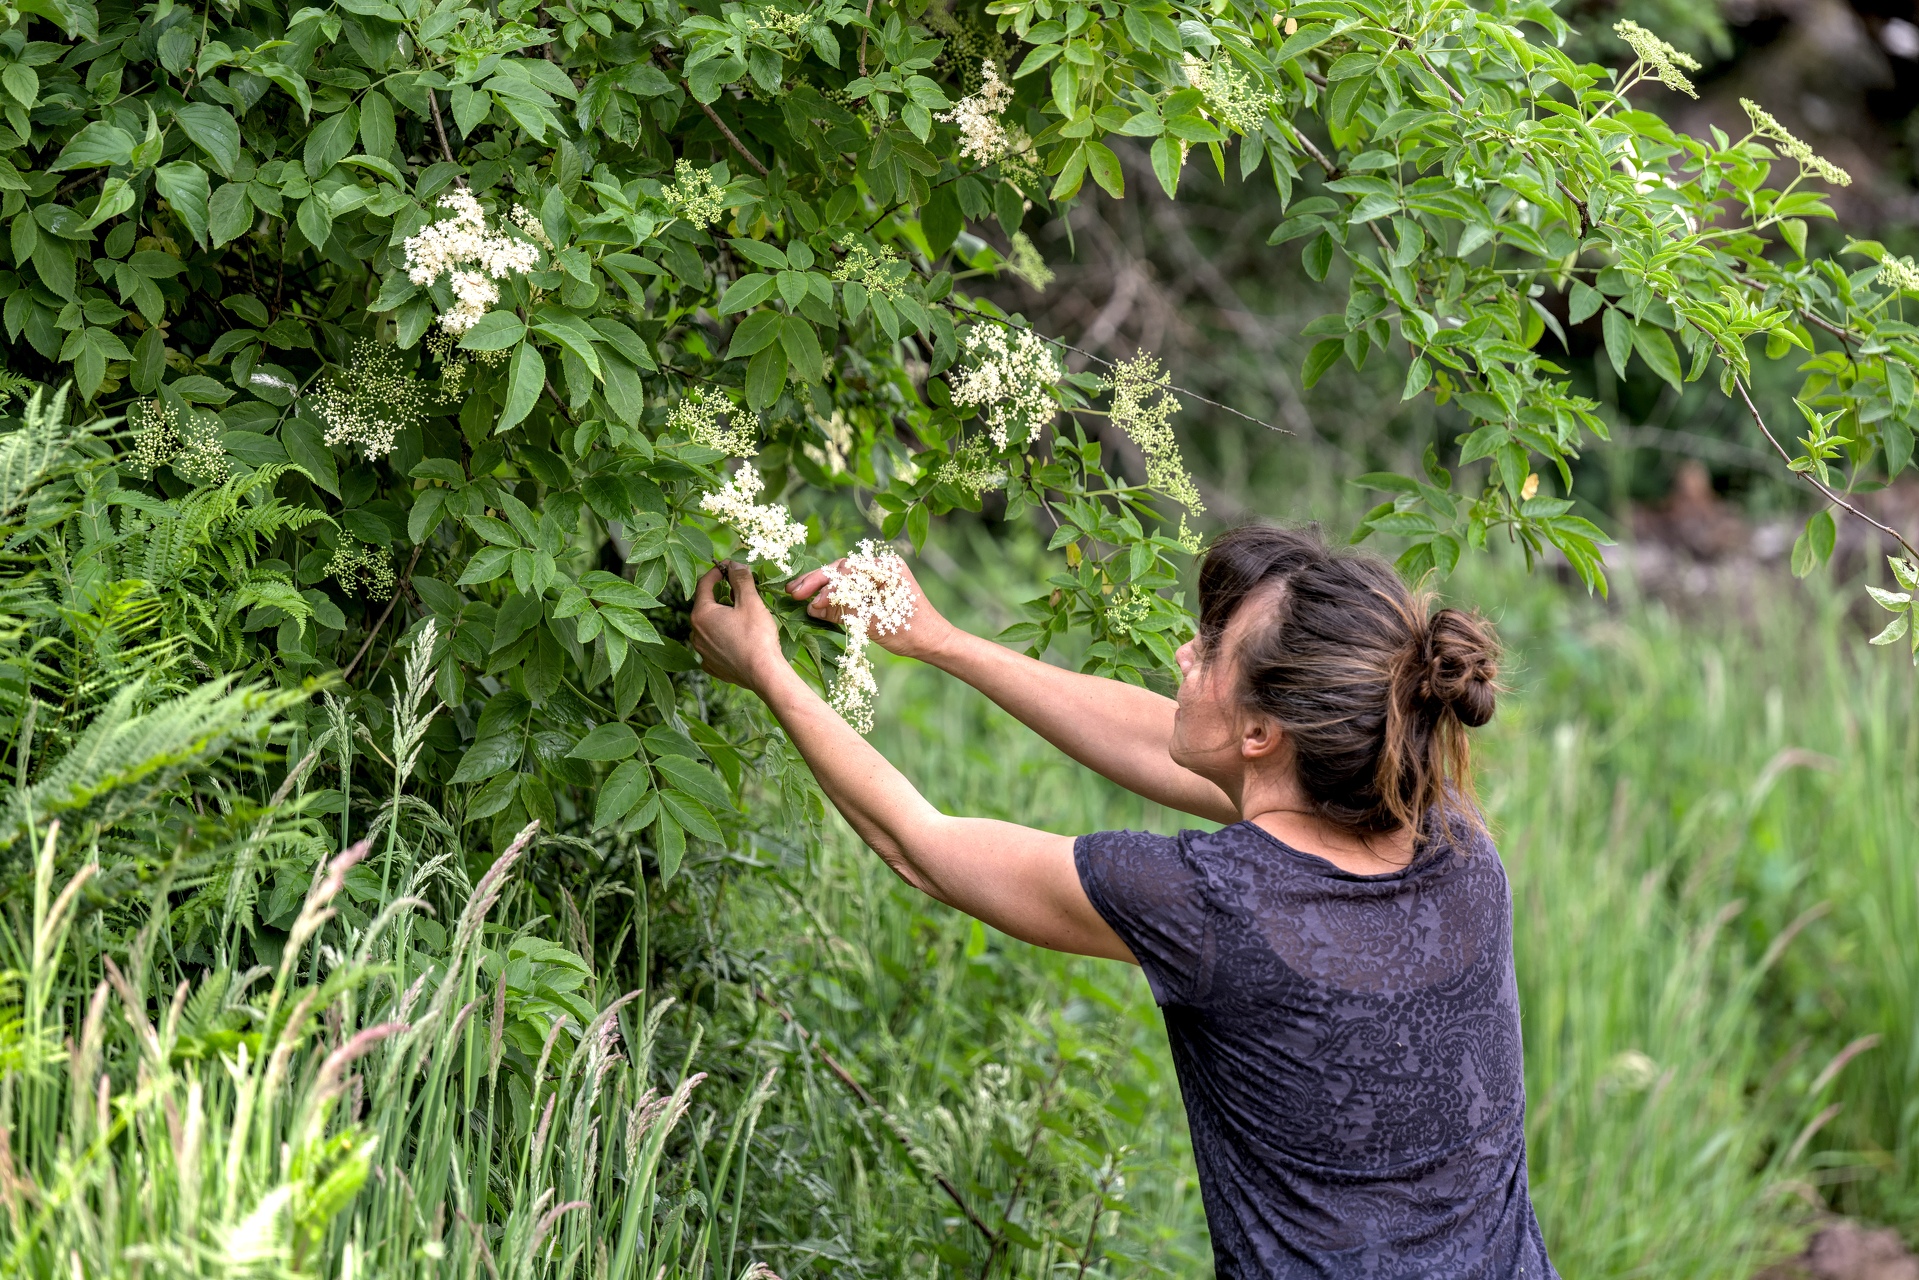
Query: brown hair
(1373, 690)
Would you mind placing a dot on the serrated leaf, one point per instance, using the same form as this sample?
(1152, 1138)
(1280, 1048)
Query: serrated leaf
(623, 789)
(524, 384)
(614, 741)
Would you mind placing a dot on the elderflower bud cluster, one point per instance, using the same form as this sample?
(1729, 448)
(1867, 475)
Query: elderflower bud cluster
(880, 273)
(1899, 273)
(1661, 59)
(1011, 379)
(1766, 126)
(367, 404)
(193, 447)
(473, 258)
(984, 137)
(1230, 93)
(155, 437)
(1025, 262)
(358, 567)
(836, 443)
(970, 469)
(875, 597)
(1143, 407)
(702, 421)
(767, 533)
(694, 195)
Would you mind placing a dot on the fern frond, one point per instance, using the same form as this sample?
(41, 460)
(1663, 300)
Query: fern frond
(127, 759)
(29, 454)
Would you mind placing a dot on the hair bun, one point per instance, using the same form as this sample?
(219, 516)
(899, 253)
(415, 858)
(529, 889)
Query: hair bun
(1462, 665)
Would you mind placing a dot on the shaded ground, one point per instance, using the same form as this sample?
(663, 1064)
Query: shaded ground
(1848, 1251)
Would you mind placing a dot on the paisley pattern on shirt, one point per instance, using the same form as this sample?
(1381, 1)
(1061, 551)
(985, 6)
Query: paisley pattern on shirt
(1348, 1048)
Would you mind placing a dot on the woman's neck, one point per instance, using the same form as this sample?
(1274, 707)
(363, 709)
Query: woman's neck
(1358, 855)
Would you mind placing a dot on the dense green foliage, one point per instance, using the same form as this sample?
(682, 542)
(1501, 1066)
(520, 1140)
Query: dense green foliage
(473, 305)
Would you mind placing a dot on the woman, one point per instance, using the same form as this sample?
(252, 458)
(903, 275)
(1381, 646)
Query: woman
(1334, 966)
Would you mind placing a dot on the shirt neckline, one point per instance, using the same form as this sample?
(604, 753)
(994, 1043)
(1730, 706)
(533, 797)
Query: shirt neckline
(1422, 855)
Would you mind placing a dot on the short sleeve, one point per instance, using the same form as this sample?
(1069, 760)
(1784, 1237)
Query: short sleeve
(1142, 885)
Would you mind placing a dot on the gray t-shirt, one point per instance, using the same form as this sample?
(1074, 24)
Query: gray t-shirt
(1348, 1048)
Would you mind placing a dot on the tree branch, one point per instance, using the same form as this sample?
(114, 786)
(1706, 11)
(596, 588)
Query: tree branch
(384, 613)
(1107, 364)
(1830, 494)
(1844, 335)
(439, 126)
(731, 137)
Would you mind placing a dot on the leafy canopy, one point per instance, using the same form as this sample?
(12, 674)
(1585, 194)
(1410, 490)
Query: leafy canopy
(475, 303)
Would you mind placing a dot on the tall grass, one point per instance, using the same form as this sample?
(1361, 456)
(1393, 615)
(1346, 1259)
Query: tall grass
(393, 1096)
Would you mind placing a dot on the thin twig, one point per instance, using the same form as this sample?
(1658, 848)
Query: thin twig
(731, 137)
(384, 613)
(871, 1104)
(1107, 364)
(1332, 172)
(1830, 494)
(1844, 335)
(439, 126)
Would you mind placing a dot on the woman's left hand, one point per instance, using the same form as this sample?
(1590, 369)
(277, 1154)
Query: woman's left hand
(740, 642)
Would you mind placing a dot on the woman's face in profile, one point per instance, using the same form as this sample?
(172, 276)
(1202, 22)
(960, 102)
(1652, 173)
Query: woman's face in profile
(1207, 728)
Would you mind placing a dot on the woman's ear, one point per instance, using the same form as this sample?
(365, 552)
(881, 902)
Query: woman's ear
(1259, 738)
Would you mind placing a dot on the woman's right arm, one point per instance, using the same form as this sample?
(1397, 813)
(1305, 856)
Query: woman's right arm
(1120, 731)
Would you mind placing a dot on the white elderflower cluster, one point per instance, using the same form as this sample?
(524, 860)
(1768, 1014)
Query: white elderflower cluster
(703, 421)
(1127, 610)
(766, 533)
(474, 258)
(1230, 93)
(694, 195)
(1766, 126)
(1899, 273)
(1661, 59)
(531, 227)
(367, 404)
(358, 567)
(875, 598)
(1143, 407)
(984, 137)
(1011, 380)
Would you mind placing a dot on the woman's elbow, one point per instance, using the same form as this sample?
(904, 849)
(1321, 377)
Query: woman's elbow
(899, 864)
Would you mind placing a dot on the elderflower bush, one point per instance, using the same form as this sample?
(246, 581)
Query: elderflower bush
(491, 296)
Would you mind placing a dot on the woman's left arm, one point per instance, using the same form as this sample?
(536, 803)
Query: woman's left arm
(1021, 881)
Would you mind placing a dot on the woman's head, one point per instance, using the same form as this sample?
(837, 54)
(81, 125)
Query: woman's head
(1323, 664)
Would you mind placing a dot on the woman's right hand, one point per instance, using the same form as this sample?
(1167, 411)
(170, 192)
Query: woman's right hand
(922, 638)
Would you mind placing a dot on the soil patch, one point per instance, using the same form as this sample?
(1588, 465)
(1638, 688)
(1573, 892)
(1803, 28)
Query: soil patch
(1849, 1251)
